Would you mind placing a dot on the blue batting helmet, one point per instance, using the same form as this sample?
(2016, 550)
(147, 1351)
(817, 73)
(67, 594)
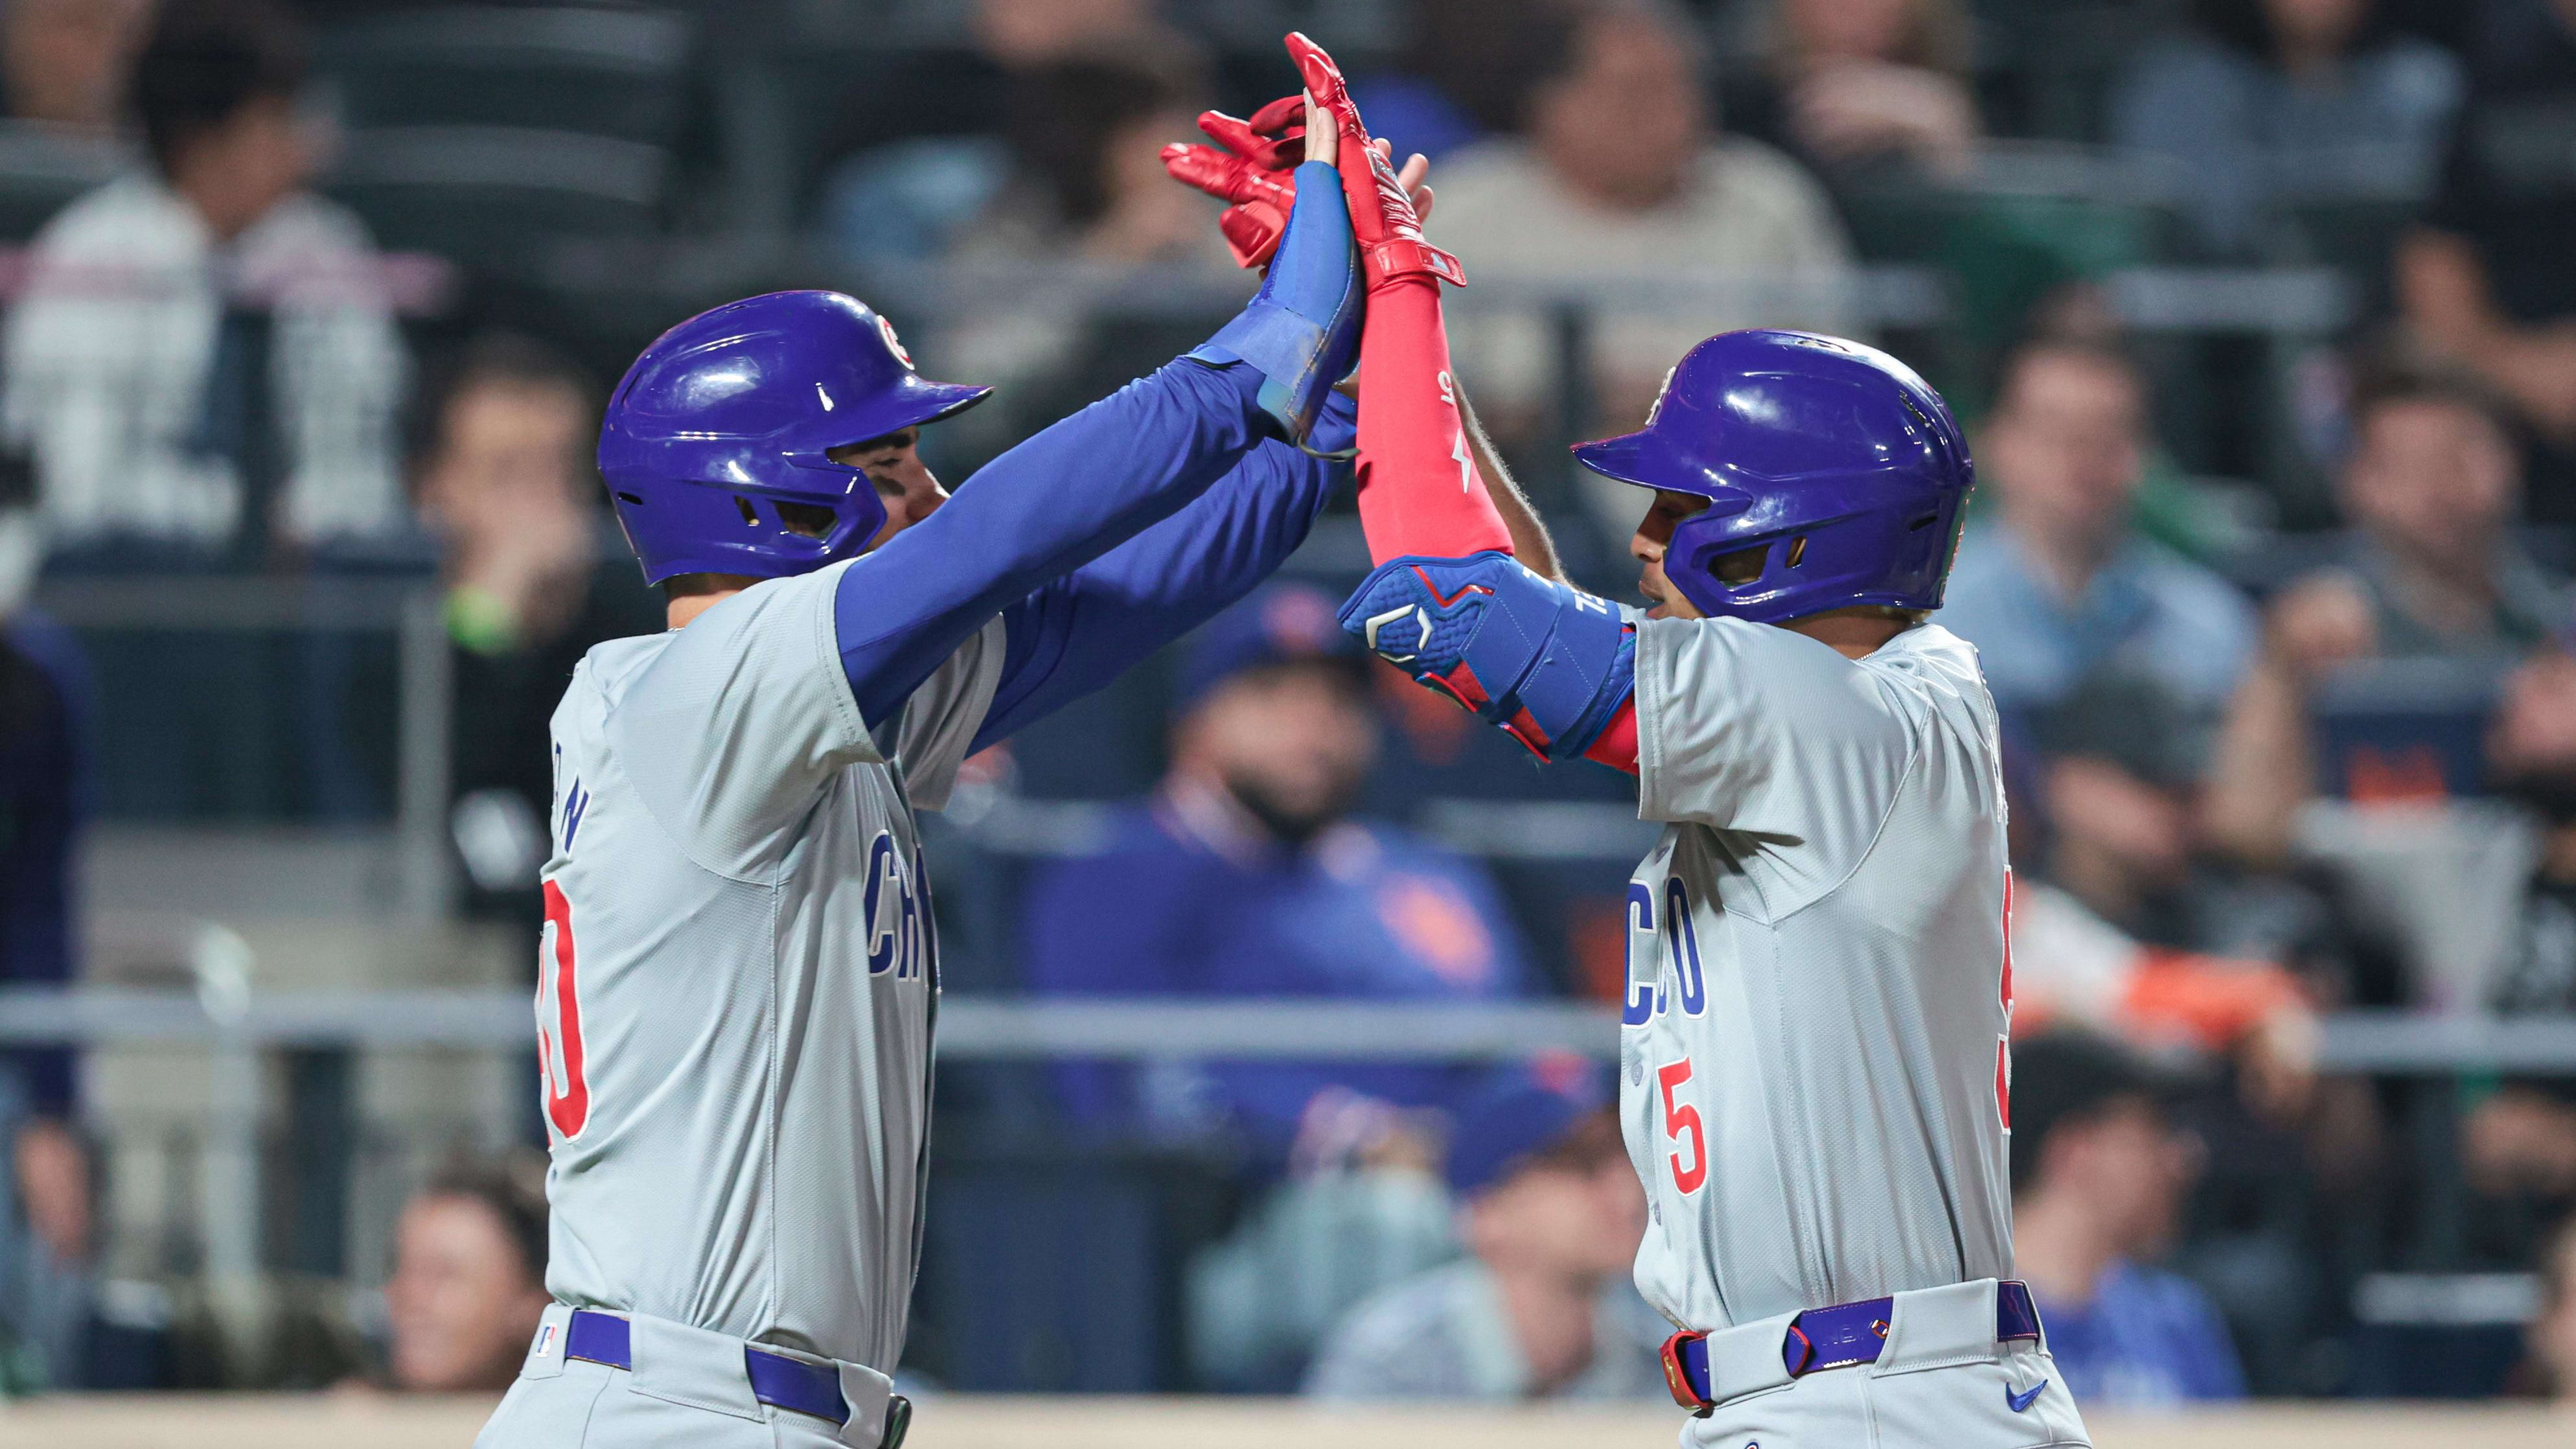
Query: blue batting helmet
(731, 413)
(1834, 475)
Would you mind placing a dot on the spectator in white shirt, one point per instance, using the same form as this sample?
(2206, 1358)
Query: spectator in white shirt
(203, 361)
(1622, 178)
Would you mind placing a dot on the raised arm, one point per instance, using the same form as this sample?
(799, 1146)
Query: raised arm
(1449, 604)
(1413, 431)
(1530, 540)
(1091, 482)
(1078, 632)
(1505, 637)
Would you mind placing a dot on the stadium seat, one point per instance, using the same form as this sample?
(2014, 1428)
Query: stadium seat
(2354, 235)
(489, 134)
(606, 72)
(492, 196)
(2032, 216)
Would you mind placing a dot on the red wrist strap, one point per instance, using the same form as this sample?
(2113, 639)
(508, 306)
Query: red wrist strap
(1420, 489)
(1400, 258)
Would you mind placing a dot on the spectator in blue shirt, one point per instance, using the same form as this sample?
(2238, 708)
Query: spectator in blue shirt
(2071, 606)
(1243, 877)
(45, 1209)
(2056, 583)
(2266, 102)
(2098, 1178)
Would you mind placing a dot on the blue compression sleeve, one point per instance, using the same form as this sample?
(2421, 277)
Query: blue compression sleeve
(1303, 328)
(1055, 502)
(1081, 631)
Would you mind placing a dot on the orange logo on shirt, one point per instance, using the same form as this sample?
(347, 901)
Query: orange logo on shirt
(2405, 776)
(1435, 924)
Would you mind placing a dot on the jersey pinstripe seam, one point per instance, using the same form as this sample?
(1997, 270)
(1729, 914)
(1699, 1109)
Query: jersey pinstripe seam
(1878, 832)
(845, 707)
(770, 1109)
(845, 701)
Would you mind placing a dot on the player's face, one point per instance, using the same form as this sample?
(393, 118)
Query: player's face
(893, 463)
(1654, 536)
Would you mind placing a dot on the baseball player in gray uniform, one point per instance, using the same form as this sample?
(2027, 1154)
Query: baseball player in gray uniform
(1815, 1072)
(739, 973)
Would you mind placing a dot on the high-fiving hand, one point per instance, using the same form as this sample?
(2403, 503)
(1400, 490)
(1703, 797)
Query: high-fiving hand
(1253, 164)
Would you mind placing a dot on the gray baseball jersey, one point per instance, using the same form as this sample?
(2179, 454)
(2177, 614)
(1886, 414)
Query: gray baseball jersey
(1813, 1048)
(738, 975)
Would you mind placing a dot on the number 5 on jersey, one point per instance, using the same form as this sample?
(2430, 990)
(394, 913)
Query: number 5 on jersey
(559, 1063)
(1688, 1159)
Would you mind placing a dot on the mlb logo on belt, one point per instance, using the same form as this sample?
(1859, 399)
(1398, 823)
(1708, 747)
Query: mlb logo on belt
(546, 1340)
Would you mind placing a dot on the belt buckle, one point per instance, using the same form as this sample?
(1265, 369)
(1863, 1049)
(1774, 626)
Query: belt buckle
(1677, 1377)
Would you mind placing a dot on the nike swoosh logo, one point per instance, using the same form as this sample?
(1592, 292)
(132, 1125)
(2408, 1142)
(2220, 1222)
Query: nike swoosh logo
(2022, 1401)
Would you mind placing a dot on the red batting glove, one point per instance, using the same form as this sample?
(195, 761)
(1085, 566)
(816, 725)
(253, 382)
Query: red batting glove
(1256, 171)
(1382, 216)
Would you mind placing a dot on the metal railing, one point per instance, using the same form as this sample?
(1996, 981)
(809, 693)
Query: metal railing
(409, 610)
(2384, 1043)
(246, 1182)
(2289, 301)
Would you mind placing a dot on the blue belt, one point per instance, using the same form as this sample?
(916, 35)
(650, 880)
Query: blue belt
(1830, 1338)
(776, 1379)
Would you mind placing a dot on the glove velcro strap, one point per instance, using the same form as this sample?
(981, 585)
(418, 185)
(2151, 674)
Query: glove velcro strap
(1288, 351)
(1567, 693)
(1400, 256)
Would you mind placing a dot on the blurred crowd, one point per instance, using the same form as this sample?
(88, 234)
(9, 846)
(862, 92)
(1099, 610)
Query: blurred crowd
(2278, 616)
